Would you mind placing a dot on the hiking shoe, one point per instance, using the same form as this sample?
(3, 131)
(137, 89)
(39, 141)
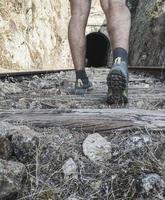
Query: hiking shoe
(81, 87)
(117, 81)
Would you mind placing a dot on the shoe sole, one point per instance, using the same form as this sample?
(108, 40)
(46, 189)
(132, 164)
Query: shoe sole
(80, 91)
(117, 84)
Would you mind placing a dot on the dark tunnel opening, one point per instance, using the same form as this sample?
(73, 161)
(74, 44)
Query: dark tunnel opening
(97, 50)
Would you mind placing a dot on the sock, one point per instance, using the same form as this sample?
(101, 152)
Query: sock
(120, 54)
(81, 74)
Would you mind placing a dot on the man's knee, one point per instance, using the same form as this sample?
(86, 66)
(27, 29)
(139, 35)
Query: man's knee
(80, 9)
(117, 2)
(108, 5)
(117, 5)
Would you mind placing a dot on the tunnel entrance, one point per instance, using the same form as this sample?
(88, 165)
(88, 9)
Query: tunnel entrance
(98, 47)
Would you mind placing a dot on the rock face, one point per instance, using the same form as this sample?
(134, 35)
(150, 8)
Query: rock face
(147, 41)
(33, 34)
(11, 176)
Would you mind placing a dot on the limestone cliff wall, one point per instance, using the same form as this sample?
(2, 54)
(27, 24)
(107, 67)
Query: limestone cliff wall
(147, 40)
(33, 34)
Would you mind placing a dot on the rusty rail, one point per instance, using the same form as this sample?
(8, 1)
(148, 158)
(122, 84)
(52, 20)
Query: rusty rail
(156, 71)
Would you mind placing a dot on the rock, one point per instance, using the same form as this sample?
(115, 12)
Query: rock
(9, 88)
(70, 168)
(151, 184)
(5, 148)
(137, 141)
(6, 129)
(11, 176)
(45, 84)
(73, 197)
(35, 105)
(25, 142)
(140, 103)
(22, 104)
(160, 155)
(96, 185)
(96, 148)
(33, 85)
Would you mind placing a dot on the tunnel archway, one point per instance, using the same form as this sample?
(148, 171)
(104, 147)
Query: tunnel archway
(97, 49)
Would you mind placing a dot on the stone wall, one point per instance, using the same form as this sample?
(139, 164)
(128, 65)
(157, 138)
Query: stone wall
(33, 34)
(147, 40)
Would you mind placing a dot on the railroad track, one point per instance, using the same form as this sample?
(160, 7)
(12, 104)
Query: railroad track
(53, 105)
(154, 70)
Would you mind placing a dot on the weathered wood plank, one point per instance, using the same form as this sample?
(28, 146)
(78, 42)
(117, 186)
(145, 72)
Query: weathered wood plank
(99, 120)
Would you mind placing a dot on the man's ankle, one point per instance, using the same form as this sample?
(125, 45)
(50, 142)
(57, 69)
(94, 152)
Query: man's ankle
(119, 55)
(82, 75)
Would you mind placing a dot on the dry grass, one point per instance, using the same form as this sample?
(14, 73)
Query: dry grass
(117, 179)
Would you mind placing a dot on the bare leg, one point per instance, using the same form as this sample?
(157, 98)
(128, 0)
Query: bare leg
(76, 33)
(119, 22)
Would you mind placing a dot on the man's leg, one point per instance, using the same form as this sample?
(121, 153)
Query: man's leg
(76, 34)
(118, 21)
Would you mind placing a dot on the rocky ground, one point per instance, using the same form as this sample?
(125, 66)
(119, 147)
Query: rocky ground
(55, 145)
